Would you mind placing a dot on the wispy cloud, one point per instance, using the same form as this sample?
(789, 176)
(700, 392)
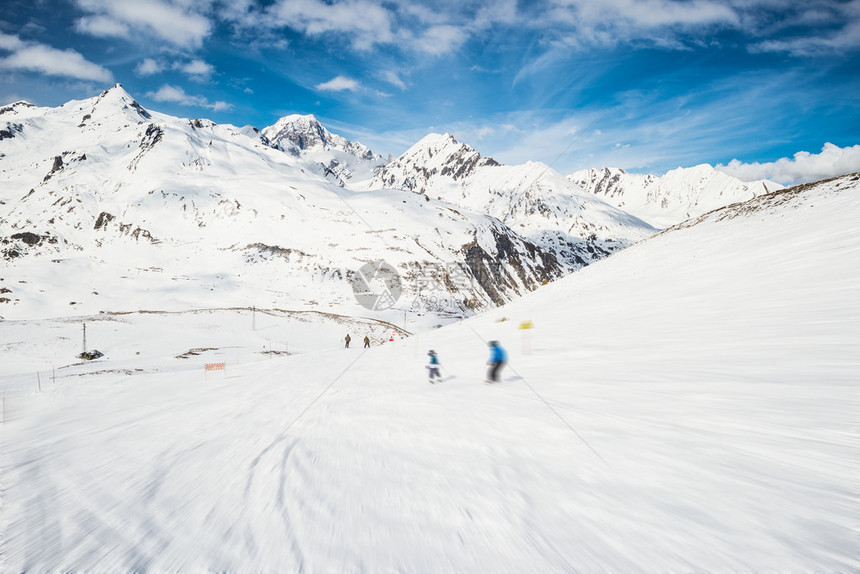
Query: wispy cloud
(177, 95)
(582, 23)
(804, 167)
(366, 23)
(10, 43)
(102, 27)
(197, 69)
(392, 78)
(810, 28)
(409, 26)
(440, 39)
(178, 22)
(815, 28)
(40, 58)
(339, 84)
(646, 13)
(148, 67)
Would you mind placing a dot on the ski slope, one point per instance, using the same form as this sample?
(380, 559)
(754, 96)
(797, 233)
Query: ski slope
(688, 404)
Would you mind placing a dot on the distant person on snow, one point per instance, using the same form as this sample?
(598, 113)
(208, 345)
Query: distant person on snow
(433, 367)
(498, 358)
(347, 339)
(366, 341)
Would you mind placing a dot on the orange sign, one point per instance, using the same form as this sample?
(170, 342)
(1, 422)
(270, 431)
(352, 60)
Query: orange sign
(216, 366)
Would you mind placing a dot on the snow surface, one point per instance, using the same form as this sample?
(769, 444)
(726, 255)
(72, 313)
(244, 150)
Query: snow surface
(687, 404)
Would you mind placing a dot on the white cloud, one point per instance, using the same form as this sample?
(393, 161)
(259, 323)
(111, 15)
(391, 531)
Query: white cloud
(176, 94)
(439, 40)
(393, 79)
(847, 38)
(610, 22)
(44, 59)
(367, 23)
(827, 28)
(435, 30)
(804, 167)
(812, 27)
(148, 67)
(168, 93)
(338, 84)
(197, 69)
(484, 132)
(175, 22)
(101, 27)
(10, 43)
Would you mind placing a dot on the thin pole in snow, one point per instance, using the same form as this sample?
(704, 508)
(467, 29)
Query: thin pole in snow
(39, 379)
(84, 350)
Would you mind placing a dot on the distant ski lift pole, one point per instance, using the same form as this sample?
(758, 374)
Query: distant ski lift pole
(88, 355)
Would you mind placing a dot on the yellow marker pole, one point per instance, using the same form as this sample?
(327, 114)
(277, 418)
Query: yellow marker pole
(525, 329)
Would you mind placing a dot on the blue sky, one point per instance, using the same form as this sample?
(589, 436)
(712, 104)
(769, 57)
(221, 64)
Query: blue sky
(763, 88)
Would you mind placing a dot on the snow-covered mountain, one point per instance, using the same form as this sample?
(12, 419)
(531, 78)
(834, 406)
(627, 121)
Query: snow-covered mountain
(436, 160)
(338, 158)
(531, 198)
(687, 405)
(133, 207)
(678, 195)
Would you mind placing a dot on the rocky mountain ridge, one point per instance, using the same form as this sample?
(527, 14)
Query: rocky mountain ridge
(672, 198)
(127, 204)
(334, 156)
(531, 198)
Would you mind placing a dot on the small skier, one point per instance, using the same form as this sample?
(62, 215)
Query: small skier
(433, 367)
(498, 358)
(347, 339)
(366, 341)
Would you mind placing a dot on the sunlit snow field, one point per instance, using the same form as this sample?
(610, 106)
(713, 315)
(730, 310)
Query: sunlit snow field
(688, 404)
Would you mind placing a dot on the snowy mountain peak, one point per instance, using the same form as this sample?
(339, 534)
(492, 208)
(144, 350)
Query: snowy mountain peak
(14, 106)
(331, 155)
(114, 105)
(305, 131)
(681, 193)
(297, 133)
(437, 141)
(434, 156)
(444, 145)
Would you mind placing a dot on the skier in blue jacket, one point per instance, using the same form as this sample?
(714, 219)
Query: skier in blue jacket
(433, 367)
(498, 358)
